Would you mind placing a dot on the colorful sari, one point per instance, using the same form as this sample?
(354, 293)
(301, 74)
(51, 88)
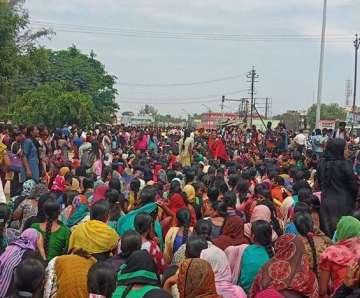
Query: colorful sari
(336, 258)
(12, 257)
(223, 278)
(196, 279)
(170, 237)
(287, 271)
(126, 222)
(76, 212)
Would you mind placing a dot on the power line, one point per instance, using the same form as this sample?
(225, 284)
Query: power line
(178, 100)
(165, 102)
(75, 28)
(180, 84)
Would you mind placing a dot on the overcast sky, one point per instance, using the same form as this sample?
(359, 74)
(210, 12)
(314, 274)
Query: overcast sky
(162, 42)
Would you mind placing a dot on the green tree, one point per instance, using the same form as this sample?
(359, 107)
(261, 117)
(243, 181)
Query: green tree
(16, 40)
(328, 112)
(25, 68)
(85, 74)
(49, 104)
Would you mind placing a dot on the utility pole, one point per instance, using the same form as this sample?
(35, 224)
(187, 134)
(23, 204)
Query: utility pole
(321, 67)
(252, 76)
(348, 92)
(356, 45)
(222, 107)
(266, 107)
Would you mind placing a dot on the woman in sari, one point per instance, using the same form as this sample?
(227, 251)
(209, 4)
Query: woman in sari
(196, 279)
(144, 226)
(288, 271)
(178, 235)
(66, 276)
(315, 241)
(18, 250)
(223, 279)
(149, 206)
(260, 212)
(232, 233)
(76, 213)
(186, 145)
(336, 258)
(256, 254)
(138, 277)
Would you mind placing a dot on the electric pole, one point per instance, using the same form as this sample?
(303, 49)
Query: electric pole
(252, 76)
(348, 92)
(356, 45)
(321, 67)
(222, 107)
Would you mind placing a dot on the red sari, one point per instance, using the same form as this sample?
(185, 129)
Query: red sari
(288, 270)
(217, 149)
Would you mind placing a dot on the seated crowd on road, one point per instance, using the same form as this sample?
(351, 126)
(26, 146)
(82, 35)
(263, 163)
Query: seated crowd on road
(152, 212)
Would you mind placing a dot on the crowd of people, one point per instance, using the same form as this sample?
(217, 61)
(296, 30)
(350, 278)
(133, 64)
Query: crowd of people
(154, 212)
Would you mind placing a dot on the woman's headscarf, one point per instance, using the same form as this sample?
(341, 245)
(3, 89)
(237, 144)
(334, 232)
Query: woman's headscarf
(99, 193)
(196, 279)
(223, 278)
(94, 237)
(176, 202)
(77, 211)
(126, 222)
(347, 247)
(260, 212)
(139, 269)
(347, 227)
(63, 171)
(12, 257)
(59, 184)
(288, 270)
(232, 234)
(39, 190)
(28, 187)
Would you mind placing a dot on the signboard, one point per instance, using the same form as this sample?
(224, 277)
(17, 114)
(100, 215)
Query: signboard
(350, 118)
(329, 124)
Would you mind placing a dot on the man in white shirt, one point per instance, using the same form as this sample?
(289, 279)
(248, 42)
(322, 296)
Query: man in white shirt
(300, 140)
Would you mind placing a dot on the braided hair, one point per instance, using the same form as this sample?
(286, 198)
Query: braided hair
(51, 211)
(184, 218)
(262, 232)
(203, 228)
(186, 135)
(274, 221)
(305, 226)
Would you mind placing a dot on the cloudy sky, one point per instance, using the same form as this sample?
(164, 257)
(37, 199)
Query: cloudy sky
(182, 55)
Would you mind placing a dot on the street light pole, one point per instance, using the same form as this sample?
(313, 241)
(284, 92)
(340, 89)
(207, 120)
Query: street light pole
(321, 67)
(356, 45)
(209, 111)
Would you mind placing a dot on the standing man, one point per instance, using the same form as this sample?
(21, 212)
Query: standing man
(340, 133)
(300, 140)
(318, 143)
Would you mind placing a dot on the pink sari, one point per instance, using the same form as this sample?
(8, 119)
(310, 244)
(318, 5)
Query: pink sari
(223, 277)
(234, 255)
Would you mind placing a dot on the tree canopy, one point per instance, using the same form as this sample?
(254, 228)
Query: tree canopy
(49, 103)
(29, 74)
(328, 112)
